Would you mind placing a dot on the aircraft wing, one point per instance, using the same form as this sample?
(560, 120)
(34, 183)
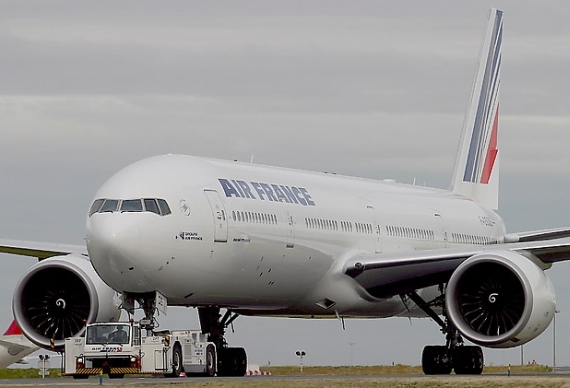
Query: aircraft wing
(16, 349)
(40, 250)
(14, 352)
(538, 235)
(14, 346)
(386, 275)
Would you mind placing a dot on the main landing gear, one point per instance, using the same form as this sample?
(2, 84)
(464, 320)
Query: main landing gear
(440, 360)
(231, 361)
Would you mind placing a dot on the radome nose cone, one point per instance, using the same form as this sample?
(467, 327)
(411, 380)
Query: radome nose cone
(113, 243)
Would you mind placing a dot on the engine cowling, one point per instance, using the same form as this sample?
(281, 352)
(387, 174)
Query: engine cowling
(500, 299)
(58, 296)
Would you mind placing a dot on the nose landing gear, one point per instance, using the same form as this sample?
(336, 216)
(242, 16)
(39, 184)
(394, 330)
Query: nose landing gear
(231, 361)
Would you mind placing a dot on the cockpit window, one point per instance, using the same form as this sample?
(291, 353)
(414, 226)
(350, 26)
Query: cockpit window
(164, 209)
(110, 205)
(96, 206)
(151, 205)
(131, 205)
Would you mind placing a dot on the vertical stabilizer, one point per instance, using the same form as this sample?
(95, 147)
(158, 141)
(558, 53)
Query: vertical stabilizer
(477, 165)
(13, 329)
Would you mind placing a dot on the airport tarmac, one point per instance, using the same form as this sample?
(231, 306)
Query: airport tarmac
(561, 380)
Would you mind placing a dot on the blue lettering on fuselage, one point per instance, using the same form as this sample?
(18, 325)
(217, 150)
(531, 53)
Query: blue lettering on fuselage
(238, 188)
(229, 190)
(266, 192)
(297, 192)
(259, 190)
(246, 190)
(280, 196)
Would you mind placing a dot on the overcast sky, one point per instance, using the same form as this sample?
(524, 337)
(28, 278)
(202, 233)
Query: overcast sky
(369, 88)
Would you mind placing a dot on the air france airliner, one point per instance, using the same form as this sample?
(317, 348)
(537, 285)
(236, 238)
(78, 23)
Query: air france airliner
(235, 238)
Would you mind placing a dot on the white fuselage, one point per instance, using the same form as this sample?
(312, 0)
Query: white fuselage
(268, 240)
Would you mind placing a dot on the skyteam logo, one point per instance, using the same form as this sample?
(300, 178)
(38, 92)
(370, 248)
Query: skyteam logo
(483, 146)
(266, 192)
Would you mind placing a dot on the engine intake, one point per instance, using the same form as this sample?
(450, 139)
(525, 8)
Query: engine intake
(58, 296)
(500, 299)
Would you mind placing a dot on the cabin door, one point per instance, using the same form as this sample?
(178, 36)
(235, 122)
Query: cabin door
(220, 216)
(290, 229)
(375, 229)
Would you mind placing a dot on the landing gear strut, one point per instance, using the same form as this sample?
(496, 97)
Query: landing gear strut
(147, 301)
(231, 361)
(227, 361)
(440, 360)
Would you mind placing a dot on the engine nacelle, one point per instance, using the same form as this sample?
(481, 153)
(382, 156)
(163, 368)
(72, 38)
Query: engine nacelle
(500, 299)
(58, 296)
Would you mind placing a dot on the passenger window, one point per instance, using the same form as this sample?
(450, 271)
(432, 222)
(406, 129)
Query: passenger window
(96, 206)
(164, 209)
(151, 206)
(132, 205)
(110, 206)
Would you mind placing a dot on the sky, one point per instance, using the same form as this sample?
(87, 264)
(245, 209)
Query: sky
(376, 89)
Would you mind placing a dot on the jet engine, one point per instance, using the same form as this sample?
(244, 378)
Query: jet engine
(58, 296)
(500, 299)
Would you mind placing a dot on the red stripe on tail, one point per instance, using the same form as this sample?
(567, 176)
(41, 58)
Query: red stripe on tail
(491, 151)
(13, 329)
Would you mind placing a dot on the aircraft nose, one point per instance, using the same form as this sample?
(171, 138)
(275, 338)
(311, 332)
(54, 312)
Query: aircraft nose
(113, 243)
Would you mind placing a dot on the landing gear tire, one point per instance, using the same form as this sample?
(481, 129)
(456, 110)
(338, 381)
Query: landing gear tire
(228, 361)
(176, 362)
(468, 360)
(239, 361)
(210, 361)
(465, 360)
(436, 361)
(439, 360)
(232, 362)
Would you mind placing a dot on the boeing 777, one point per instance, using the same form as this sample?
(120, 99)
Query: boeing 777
(249, 239)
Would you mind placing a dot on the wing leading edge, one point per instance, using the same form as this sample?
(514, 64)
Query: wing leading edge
(386, 275)
(39, 249)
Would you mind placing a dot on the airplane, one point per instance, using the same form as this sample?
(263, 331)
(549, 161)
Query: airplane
(14, 346)
(256, 240)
